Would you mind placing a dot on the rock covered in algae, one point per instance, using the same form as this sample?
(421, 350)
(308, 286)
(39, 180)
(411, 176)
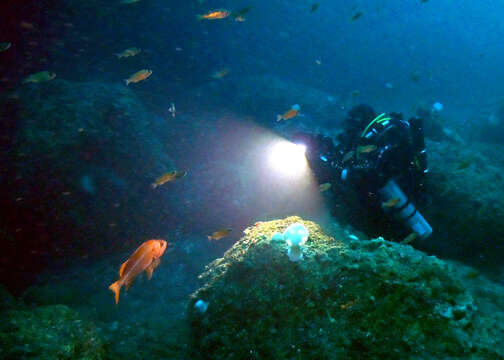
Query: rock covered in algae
(347, 299)
(48, 333)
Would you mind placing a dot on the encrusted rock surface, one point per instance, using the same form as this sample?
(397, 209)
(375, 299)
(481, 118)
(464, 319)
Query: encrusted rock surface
(347, 299)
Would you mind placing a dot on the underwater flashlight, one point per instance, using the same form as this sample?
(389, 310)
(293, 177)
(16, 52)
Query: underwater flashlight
(288, 158)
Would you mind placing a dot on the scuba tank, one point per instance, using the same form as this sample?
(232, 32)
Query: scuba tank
(403, 210)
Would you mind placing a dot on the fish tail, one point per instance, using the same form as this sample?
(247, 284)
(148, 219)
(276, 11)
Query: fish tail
(116, 288)
(200, 17)
(279, 117)
(127, 81)
(153, 185)
(209, 237)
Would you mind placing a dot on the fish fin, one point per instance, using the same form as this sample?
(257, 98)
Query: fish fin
(155, 263)
(128, 284)
(279, 117)
(123, 266)
(116, 288)
(149, 271)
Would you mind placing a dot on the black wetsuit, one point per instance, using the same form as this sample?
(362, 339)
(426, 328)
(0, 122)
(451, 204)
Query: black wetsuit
(367, 156)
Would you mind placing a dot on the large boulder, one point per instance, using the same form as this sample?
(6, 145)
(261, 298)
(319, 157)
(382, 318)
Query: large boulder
(346, 299)
(466, 186)
(79, 168)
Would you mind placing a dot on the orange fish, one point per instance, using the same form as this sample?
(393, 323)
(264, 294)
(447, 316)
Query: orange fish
(219, 234)
(27, 25)
(220, 74)
(169, 176)
(214, 15)
(293, 112)
(366, 149)
(145, 258)
(391, 203)
(324, 187)
(138, 76)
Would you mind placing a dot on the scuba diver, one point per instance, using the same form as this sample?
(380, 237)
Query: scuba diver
(378, 166)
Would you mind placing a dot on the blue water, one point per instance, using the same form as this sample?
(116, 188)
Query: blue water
(79, 159)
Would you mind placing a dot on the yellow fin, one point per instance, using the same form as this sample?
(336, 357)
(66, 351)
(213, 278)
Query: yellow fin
(123, 266)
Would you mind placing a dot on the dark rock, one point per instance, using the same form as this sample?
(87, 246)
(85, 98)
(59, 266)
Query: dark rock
(466, 188)
(81, 165)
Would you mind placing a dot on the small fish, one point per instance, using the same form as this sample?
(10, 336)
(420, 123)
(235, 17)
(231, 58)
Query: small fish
(138, 76)
(318, 62)
(39, 77)
(172, 109)
(409, 239)
(220, 74)
(167, 177)
(27, 25)
(324, 187)
(293, 112)
(219, 234)
(366, 149)
(4, 46)
(348, 305)
(214, 15)
(129, 1)
(239, 18)
(128, 52)
(314, 7)
(391, 202)
(464, 164)
(349, 155)
(357, 15)
(145, 258)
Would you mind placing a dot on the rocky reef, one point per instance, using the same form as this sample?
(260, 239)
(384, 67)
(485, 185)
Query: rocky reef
(347, 298)
(466, 187)
(47, 333)
(80, 161)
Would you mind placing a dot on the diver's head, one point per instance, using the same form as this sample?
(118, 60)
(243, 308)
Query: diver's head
(359, 117)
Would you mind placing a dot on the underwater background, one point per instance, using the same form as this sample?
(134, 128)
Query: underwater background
(94, 166)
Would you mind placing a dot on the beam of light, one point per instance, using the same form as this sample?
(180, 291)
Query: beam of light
(288, 159)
